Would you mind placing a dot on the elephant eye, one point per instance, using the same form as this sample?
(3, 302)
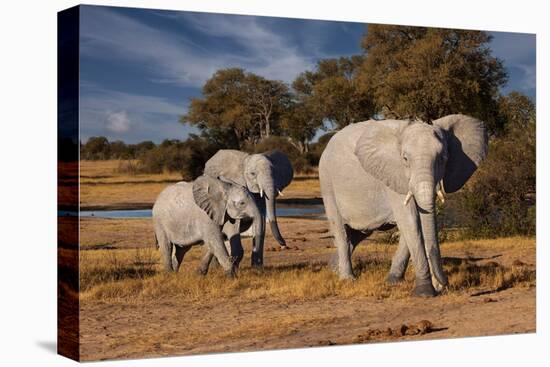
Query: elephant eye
(252, 174)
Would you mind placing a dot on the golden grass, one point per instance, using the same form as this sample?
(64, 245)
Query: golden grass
(94, 172)
(103, 185)
(303, 187)
(134, 276)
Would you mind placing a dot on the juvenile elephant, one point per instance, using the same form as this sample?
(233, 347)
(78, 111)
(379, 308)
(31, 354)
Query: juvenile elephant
(376, 174)
(206, 211)
(265, 175)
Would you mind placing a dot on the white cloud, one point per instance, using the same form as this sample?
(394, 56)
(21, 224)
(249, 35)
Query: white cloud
(129, 117)
(117, 122)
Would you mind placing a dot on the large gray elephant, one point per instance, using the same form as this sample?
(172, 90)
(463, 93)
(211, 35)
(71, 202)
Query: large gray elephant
(265, 175)
(206, 211)
(376, 174)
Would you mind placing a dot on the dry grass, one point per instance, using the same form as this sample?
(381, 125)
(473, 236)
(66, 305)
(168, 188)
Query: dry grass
(102, 233)
(107, 172)
(304, 186)
(129, 308)
(134, 276)
(102, 184)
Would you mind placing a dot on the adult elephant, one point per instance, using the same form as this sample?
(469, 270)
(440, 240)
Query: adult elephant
(376, 174)
(265, 175)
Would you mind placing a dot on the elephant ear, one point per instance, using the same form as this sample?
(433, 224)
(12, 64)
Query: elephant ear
(466, 148)
(281, 169)
(210, 195)
(379, 152)
(228, 164)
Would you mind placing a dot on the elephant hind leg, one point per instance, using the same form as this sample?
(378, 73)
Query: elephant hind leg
(205, 262)
(177, 256)
(165, 248)
(341, 240)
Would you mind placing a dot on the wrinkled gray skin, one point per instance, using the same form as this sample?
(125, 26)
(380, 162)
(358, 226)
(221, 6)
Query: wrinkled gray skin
(264, 175)
(368, 170)
(205, 211)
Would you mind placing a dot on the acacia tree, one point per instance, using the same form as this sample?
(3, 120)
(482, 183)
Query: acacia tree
(426, 73)
(267, 101)
(238, 107)
(220, 112)
(333, 91)
(300, 123)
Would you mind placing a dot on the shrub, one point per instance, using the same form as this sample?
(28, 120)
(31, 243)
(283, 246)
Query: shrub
(500, 200)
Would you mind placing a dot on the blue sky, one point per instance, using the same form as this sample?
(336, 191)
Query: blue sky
(140, 67)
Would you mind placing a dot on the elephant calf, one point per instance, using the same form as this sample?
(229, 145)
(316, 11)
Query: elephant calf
(206, 211)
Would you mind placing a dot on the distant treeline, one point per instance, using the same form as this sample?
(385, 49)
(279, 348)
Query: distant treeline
(188, 157)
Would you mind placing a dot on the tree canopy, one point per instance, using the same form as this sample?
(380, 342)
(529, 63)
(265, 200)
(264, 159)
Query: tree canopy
(238, 107)
(426, 73)
(333, 91)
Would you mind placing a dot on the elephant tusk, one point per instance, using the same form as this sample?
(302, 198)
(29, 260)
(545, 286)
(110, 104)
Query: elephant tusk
(280, 192)
(441, 196)
(408, 197)
(261, 193)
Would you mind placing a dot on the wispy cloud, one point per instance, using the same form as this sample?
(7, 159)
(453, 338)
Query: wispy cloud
(264, 52)
(108, 34)
(173, 57)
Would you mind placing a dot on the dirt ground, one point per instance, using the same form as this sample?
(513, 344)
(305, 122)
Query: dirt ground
(296, 301)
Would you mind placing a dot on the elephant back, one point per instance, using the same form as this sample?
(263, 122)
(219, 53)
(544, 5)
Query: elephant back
(227, 163)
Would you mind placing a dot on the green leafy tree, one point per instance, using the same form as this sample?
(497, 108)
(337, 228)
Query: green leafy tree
(300, 124)
(426, 73)
(267, 100)
(97, 147)
(221, 110)
(118, 150)
(238, 107)
(334, 92)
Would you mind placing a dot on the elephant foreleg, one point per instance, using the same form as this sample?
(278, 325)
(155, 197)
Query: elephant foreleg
(232, 231)
(217, 247)
(399, 262)
(406, 217)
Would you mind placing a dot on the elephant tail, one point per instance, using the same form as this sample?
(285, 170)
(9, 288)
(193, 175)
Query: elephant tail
(156, 241)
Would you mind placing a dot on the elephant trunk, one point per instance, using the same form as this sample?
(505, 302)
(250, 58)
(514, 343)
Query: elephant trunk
(425, 199)
(270, 196)
(424, 196)
(258, 227)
